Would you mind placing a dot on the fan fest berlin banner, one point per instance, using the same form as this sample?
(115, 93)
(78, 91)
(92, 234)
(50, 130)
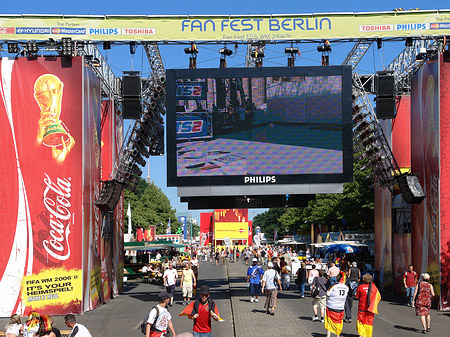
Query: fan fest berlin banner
(227, 27)
(48, 221)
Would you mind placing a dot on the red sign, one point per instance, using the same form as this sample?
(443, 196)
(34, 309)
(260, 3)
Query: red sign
(41, 160)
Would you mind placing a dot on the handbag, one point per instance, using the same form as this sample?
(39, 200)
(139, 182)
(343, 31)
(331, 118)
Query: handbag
(315, 292)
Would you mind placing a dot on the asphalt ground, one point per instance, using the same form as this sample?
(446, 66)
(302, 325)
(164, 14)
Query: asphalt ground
(122, 315)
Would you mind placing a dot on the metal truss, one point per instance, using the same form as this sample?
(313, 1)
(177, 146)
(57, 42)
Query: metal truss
(369, 140)
(109, 81)
(251, 61)
(358, 51)
(406, 63)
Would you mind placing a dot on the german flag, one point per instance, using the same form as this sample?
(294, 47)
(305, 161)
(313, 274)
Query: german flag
(364, 324)
(192, 309)
(373, 298)
(334, 321)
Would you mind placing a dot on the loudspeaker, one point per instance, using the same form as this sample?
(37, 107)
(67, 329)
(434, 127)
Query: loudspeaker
(411, 189)
(109, 195)
(131, 108)
(386, 107)
(131, 86)
(385, 84)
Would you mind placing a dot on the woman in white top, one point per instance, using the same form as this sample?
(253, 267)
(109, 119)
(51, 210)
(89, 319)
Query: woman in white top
(14, 327)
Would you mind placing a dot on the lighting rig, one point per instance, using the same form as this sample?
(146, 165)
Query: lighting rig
(258, 55)
(325, 49)
(192, 51)
(291, 58)
(145, 137)
(224, 52)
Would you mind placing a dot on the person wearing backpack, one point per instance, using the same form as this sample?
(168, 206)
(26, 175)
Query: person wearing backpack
(201, 311)
(159, 321)
(352, 282)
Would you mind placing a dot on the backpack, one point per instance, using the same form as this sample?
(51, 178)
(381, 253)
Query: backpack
(143, 326)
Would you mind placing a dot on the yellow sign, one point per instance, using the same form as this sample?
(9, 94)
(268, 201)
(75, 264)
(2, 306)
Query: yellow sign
(227, 28)
(232, 230)
(56, 286)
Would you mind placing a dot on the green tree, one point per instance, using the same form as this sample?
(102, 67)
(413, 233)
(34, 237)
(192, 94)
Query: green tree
(150, 206)
(355, 207)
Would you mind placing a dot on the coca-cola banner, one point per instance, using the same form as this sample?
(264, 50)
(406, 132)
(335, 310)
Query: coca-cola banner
(41, 162)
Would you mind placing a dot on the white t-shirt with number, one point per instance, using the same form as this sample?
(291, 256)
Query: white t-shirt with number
(336, 296)
(164, 317)
(171, 276)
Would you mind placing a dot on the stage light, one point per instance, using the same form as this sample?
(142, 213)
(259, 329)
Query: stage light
(257, 54)
(67, 48)
(422, 55)
(379, 43)
(225, 51)
(291, 50)
(13, 48)
(325, 47)
(140, 146)
(137, 157)
(409, 42)
(191, 50)
(143, 136)
(133, 47)
(106, 45)
(32, 47)
(96, 62)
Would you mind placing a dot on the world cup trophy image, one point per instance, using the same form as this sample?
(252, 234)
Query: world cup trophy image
(48, 91)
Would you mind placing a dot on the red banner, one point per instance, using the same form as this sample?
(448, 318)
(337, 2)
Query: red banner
(231, 215)
(41, 162)
(425, 217)
(206, 228)
(250, 232)
(401, 133)
(445, 183)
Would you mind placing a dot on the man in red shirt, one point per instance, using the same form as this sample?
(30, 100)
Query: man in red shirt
(201, 312)
(410, 282)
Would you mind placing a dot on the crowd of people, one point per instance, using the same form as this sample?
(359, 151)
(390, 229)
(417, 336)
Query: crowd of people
(38, 325)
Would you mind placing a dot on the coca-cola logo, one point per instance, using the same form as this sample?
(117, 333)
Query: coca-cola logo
(56, 200)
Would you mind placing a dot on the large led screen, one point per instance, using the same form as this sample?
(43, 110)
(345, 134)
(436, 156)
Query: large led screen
(259, 126)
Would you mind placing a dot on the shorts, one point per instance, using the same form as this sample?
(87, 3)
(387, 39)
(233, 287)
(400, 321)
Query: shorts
(187, 290)
(320, 302)
(171, 289)
(255, 289)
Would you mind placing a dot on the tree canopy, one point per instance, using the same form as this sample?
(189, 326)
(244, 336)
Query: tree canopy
(352, 210)
(150, 206)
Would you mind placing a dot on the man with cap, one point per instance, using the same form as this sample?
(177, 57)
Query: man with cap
(269, 281)
(159, 319)
(254, 274)
(201, 311)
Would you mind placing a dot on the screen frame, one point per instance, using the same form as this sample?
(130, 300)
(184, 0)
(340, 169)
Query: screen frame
(310, 178)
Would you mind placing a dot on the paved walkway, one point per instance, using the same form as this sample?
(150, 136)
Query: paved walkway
(123, 315)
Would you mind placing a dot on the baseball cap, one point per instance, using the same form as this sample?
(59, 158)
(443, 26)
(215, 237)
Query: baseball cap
(204, 290)
(163, 295)
(255, 259)
(354, 264)
(270, 265)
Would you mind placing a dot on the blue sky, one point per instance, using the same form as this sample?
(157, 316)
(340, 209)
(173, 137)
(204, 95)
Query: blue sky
(173, 56)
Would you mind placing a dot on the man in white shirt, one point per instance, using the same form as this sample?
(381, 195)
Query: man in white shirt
(78, 330)
(269, 279)
(336, 297)
(170, 278)
(159, 319)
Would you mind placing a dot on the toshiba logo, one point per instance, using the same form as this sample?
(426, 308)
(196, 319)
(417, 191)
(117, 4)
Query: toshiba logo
(260, 180)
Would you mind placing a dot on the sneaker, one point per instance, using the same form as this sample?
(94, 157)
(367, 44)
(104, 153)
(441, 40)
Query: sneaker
(256, 300)
(315, 318)
(349, 320)
(303, 296)
(252, 300)
(322, 320)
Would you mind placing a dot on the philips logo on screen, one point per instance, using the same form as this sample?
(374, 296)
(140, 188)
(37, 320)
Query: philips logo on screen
(260, 180)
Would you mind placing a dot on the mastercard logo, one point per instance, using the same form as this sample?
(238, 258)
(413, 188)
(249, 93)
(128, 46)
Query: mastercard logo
(434, 26)
(56, 30)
